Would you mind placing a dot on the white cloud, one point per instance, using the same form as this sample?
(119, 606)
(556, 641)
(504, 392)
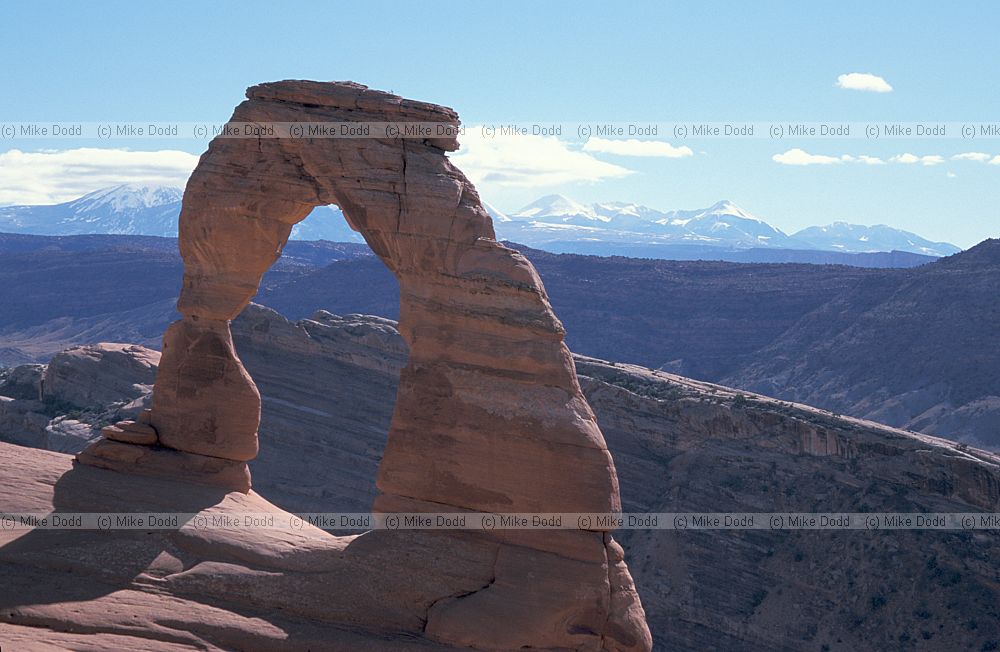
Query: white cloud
(871, 160)
(910, 159)
(863, 81)
(979, 157)
(995, 160)
(801, 157)
(950, 175)
(529, 161)
(53, 176)
(634, 147)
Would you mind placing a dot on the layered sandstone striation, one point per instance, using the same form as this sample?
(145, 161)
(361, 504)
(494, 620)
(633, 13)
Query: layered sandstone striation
(489, 413)
(689, 446)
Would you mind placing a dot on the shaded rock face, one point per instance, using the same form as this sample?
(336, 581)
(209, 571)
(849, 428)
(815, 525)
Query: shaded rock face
(489, 413)
(62, 406)
(99, 373)
(22, 382)
(327, 386)
(689, 446)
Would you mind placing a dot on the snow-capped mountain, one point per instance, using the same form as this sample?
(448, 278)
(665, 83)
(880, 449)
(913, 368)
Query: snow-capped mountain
(841, 236)
(553, 222)
(723, 224)
(560, 224)
(557, 209)
(127, 198)
(727, 224)
(126, 209)
(495, 213)
(144, 210)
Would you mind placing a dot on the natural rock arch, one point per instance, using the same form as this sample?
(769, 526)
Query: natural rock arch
(489, 413)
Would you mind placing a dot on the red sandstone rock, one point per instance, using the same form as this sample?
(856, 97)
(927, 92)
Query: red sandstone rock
(165, 463)
(130, 432)
(204, 400)
(490, 415)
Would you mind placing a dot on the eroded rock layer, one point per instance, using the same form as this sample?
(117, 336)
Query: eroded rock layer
(489, 413)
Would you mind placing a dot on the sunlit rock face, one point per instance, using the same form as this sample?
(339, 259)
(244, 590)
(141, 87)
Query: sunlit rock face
(489, 413)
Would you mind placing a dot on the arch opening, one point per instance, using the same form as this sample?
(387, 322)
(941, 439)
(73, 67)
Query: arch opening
(489, 415)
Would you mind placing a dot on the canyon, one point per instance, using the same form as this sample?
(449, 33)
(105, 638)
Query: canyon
(756, 326)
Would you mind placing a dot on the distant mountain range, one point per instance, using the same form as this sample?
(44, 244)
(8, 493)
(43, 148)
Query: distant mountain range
(121, 210)
(723, 231)
(557, 223)
(143, 210)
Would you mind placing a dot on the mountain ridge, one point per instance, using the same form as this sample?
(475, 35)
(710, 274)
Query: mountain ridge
(548, 221)
(553, 222)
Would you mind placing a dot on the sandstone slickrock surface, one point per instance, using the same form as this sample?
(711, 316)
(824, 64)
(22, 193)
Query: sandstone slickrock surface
(683, 445)
(192, 588)
(489, 413)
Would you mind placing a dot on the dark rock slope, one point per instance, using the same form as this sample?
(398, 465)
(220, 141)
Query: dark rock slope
(920, 350)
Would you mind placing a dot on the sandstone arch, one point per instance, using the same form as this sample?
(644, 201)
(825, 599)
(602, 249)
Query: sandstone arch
(489, 414)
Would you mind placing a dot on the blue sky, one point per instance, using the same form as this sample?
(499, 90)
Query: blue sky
(543, 62)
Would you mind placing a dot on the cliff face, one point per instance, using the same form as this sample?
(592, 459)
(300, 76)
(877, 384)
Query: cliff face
(690, 446)
(684, 445)
(327, 387)
(62, 406)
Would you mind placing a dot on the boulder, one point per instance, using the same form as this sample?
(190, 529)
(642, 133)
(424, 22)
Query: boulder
(22, 382)
(99, 374)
